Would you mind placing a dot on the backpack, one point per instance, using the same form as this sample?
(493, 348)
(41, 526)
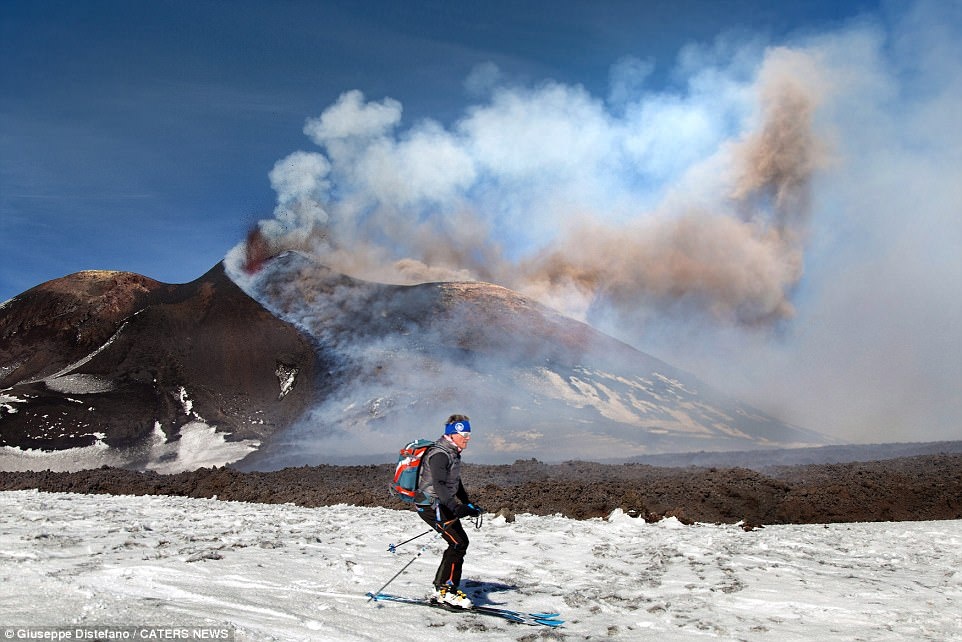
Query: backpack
(407, 473)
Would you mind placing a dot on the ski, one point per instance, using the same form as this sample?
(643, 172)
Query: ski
(533, 619)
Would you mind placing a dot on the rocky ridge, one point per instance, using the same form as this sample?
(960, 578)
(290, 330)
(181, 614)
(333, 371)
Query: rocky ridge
(116, 361)
(912, 488)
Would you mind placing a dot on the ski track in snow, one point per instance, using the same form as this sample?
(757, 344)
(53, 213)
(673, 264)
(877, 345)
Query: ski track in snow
(281, 572)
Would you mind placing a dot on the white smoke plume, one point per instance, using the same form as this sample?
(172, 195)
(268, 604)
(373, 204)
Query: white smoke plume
(548, 191)
(767, 188)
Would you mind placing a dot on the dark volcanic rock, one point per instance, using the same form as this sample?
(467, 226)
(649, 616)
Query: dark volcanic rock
(112, 356)
(916, 488)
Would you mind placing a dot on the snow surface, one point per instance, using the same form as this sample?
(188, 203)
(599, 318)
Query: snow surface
(281, 572)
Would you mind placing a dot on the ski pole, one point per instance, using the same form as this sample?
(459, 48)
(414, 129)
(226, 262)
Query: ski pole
(375, 593)
(443, 525)
(393, 547)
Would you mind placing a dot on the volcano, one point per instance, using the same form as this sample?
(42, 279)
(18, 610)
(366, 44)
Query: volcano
(297, 364)
(535, 383)
(115, 368)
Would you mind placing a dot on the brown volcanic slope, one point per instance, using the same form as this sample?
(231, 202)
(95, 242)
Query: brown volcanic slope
(536, 383)
(109, 354)
(48, 327)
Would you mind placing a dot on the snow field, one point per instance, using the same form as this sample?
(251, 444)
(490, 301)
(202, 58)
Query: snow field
(281, 572)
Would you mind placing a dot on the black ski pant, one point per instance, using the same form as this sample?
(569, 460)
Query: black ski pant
(449, 572)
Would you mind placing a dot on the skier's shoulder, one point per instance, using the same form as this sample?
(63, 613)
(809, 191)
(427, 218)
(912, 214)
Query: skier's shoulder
(441, 446)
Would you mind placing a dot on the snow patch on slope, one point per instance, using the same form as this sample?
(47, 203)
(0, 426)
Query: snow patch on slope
(68, 460)
(286, 376)
(79, 384)
(199, 446)
(631, 402)
(185, 402)
(7, 403)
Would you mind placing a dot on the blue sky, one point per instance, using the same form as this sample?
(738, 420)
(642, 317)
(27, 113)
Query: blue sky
(151, 136)
(138, 135)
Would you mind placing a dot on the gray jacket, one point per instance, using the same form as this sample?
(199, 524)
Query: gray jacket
(441, 475)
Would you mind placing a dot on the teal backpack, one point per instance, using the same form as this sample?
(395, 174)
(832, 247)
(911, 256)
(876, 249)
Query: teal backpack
(407, 473)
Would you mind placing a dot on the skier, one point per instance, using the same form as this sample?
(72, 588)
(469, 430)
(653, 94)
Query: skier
(441, 481)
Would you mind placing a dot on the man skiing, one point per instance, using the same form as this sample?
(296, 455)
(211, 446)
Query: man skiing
(441, 482)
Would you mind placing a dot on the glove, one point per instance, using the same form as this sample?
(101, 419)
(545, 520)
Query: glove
(466, 510)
